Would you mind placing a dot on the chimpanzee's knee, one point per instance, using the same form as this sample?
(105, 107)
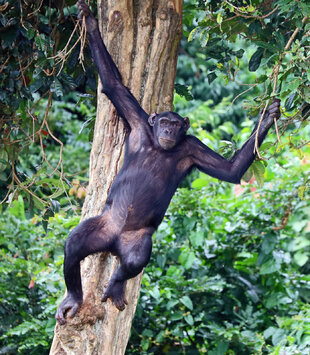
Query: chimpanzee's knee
(86, 238)
(74, 244)
(138, 256)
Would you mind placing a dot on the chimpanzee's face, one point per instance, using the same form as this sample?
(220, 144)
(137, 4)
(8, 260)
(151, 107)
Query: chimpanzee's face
(169, 128)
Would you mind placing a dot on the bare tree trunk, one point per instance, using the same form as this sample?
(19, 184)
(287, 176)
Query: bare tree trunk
(143, 38)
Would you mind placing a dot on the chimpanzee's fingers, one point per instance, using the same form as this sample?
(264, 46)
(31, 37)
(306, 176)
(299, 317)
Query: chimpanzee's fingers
(60, 315)
(73, 310)
(274, 106)
(273, 109)
(83, 9)
(275, 103)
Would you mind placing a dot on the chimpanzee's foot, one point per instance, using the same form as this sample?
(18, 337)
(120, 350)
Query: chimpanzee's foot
(116, 293)
(70, 302)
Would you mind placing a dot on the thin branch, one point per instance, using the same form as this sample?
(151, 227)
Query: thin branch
(4, 64)
(7, 195)
(243, 92)
(240, 13)
(64, 53)
(21, 185)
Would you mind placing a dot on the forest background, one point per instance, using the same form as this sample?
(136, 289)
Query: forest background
(229, 272)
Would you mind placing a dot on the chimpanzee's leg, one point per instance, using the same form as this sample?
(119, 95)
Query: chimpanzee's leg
(134, 253)
(87, 238)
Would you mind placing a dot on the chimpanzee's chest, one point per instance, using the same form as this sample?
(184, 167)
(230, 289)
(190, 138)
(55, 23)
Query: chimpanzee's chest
(145, 185)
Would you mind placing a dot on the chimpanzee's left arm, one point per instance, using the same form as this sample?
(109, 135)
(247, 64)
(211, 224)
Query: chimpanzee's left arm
(125, 103)
(208, 161)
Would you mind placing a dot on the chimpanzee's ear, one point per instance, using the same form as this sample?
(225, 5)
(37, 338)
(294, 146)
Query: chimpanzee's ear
(152, 118)
(186, 123)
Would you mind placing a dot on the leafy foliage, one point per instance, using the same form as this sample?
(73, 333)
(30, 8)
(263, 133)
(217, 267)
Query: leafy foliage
(35, 41)
(277, 31)
(31, 283)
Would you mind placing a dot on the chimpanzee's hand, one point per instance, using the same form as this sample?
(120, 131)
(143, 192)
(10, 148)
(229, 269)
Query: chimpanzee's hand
(70, 302)
(91, 22)
(273, 111)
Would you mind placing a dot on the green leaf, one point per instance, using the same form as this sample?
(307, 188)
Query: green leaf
(189, 319)
(269, 331)
(17, 208)
(147, 333)
(187, 302)
(301, 258)
(57, 87)
(204, 38)
(145, 343)
(211, 77)
(266, 146)
(155, 293)
(266, 45)
(259, 170)
(30, 33)
(248, 175)
(193, 34)
(184, 91)
(3, 159)
(197, 238)
(293, 85)
(255, 60)
(177, 316)
(301, 192)
(36, 85)
(278, 336)
(221, 349)
(187, 258)
(269, 267)
(199, 183)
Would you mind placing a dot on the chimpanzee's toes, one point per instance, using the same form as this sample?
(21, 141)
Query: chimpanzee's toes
(68, 304)
(116, 297)
(120, 304)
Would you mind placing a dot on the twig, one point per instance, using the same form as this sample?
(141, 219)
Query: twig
(22, 72)
(37, 10)
(44, 123)
(20, 184)
(6, 196)
(4, 64)
(239, 13)
(64, 53)
(258, 128)
(243, 92)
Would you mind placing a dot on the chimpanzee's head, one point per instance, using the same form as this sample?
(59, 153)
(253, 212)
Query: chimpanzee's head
(169, 128)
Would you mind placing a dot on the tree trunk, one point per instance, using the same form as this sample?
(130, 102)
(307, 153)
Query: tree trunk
(143, 38)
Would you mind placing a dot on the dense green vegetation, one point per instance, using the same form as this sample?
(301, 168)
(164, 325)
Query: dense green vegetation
(230, 270)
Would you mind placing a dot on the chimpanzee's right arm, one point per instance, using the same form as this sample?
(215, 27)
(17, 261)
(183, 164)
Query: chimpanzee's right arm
(123, 100)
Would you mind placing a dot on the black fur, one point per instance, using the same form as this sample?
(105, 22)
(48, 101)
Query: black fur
(158, 156)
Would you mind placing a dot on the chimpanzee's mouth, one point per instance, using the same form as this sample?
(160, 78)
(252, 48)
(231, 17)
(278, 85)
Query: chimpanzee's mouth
(166, 140)
(166, 143)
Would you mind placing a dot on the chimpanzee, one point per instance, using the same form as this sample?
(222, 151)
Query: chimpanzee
(158, 155)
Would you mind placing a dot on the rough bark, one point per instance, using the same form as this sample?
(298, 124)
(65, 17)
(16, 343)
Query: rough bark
(143, 42)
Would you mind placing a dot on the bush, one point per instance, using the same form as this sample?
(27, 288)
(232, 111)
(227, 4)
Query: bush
(31, 283)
